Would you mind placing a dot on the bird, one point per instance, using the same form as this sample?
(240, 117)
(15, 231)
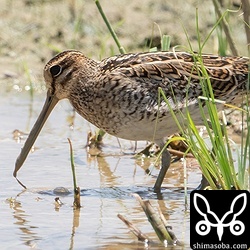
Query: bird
(120, 94)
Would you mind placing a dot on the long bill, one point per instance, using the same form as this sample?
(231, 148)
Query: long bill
(48, 106)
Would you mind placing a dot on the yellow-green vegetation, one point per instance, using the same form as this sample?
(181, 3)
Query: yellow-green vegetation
(216, 157)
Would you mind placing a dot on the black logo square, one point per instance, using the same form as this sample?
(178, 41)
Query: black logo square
(220, 219)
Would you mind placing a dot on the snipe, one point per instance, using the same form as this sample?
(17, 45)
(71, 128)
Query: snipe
(120, 94)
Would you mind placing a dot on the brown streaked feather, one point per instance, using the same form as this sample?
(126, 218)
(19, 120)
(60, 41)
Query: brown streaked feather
(226, 73)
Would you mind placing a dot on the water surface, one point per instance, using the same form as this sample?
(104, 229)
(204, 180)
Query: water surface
(29, 218)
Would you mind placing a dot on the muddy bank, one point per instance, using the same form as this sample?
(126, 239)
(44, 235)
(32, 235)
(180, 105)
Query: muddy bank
(33, 31)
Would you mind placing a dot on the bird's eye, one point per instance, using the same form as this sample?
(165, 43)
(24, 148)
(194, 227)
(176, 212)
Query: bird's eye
(55, 70)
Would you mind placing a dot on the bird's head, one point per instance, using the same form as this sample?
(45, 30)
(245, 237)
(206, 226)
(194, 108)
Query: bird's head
(61, 75)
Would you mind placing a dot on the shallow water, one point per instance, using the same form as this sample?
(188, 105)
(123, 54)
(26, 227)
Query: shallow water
(29, 219)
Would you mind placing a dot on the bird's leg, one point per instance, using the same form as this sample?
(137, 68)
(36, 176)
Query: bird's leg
(165, 163)
(204, 183)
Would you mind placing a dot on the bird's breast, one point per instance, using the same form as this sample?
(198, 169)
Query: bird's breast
(129, 116)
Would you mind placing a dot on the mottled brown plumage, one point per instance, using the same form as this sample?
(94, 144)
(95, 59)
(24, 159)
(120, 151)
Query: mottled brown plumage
(120, 94)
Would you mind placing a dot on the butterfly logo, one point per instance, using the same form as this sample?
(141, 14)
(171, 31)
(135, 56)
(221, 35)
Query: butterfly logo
(203, 227)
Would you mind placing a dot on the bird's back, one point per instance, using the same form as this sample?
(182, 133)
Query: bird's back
(181, 70)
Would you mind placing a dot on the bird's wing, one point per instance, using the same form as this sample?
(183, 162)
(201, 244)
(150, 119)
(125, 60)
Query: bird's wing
(181, 73)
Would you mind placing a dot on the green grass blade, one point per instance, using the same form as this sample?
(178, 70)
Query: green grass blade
(111, 30)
